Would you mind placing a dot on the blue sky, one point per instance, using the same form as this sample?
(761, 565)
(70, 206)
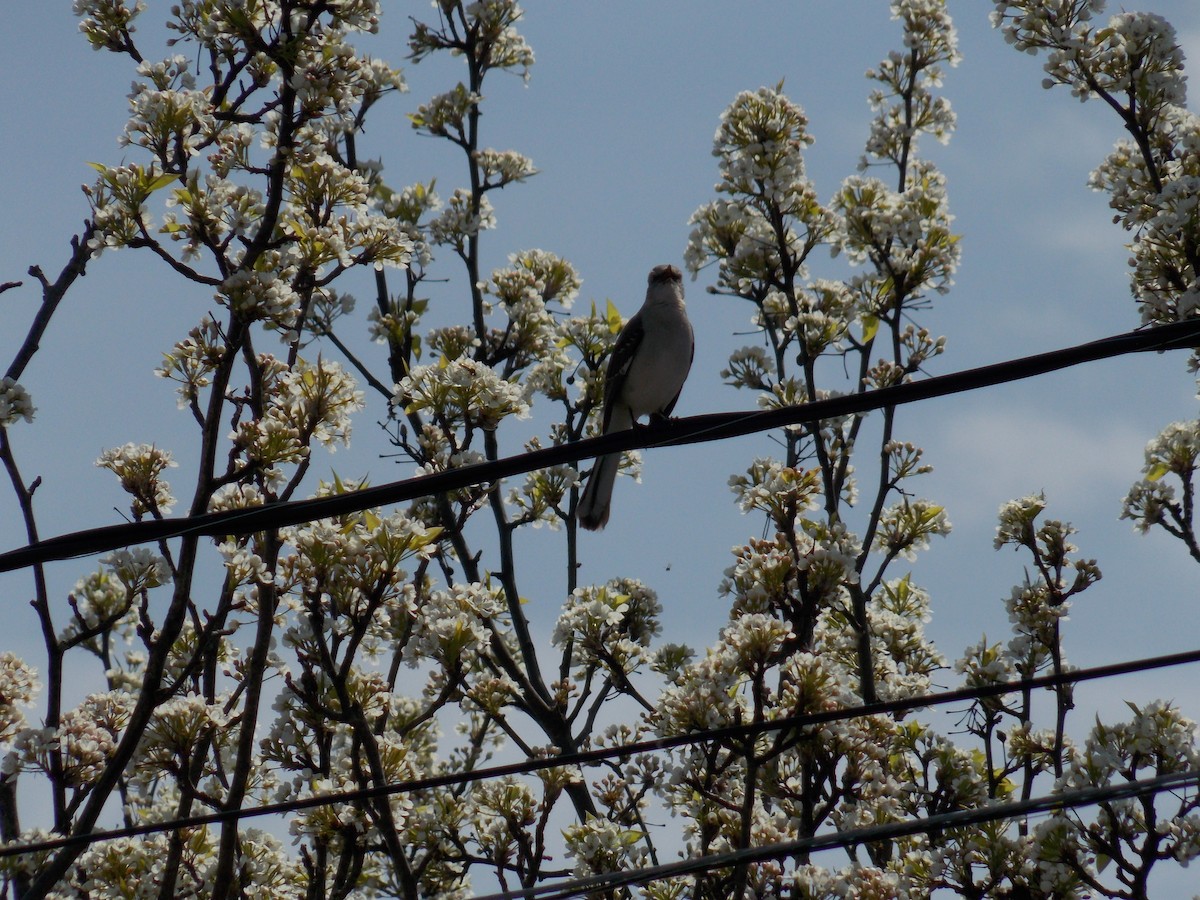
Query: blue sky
(619, 115)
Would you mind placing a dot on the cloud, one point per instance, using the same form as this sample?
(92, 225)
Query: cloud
(986, 453)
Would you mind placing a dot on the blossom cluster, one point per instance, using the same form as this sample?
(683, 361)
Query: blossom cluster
(15, 402)
(908, 76)
(905, 233)
(461, 391)
(140, 467)
(1134, 62)
(1152, 501)
(609, 626)
(268, 249)
(759, 145)
(1158, 740)
(761, 231)
(17, 688)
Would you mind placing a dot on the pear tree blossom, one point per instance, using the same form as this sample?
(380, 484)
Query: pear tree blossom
(761, 232)
(346, 664)
(15, 402)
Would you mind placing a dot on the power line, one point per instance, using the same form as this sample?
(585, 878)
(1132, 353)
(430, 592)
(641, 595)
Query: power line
(690, 430)
(589, 757)
(833, 840)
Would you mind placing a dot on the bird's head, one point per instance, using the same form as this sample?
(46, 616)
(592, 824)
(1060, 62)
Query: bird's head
(665, 274)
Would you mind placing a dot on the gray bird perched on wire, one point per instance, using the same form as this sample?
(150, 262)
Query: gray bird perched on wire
(649, 364)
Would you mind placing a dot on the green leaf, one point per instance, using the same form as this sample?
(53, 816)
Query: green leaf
(160, 182)
(612, 316)
(1157, 471)
(870, 325)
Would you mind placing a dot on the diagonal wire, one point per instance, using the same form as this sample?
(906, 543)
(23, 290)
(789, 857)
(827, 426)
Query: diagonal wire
(690, 430)
(699, 865)
(589, 757)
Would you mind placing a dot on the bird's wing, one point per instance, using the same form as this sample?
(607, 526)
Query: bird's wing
(625, 349)
(666, 410)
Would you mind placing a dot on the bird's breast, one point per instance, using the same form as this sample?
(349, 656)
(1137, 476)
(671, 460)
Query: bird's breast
(661, 365)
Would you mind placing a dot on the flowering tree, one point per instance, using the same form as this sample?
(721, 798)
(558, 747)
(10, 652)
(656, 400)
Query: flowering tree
(327, 658)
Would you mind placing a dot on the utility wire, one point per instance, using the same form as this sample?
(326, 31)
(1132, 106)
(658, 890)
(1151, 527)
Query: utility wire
(769, 852)
(690, 430)
(590, 757)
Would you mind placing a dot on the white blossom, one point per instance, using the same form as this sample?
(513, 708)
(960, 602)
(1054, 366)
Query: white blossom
(462, 391)
(15, 403)
(140, 467)
(138, 568)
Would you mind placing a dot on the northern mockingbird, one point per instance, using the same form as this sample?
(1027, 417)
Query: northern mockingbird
(646, 371)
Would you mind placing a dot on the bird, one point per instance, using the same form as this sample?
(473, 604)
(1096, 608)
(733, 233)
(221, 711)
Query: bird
(649, 363)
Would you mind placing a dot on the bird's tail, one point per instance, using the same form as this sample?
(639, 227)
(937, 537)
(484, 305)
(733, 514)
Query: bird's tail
(592, 511)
